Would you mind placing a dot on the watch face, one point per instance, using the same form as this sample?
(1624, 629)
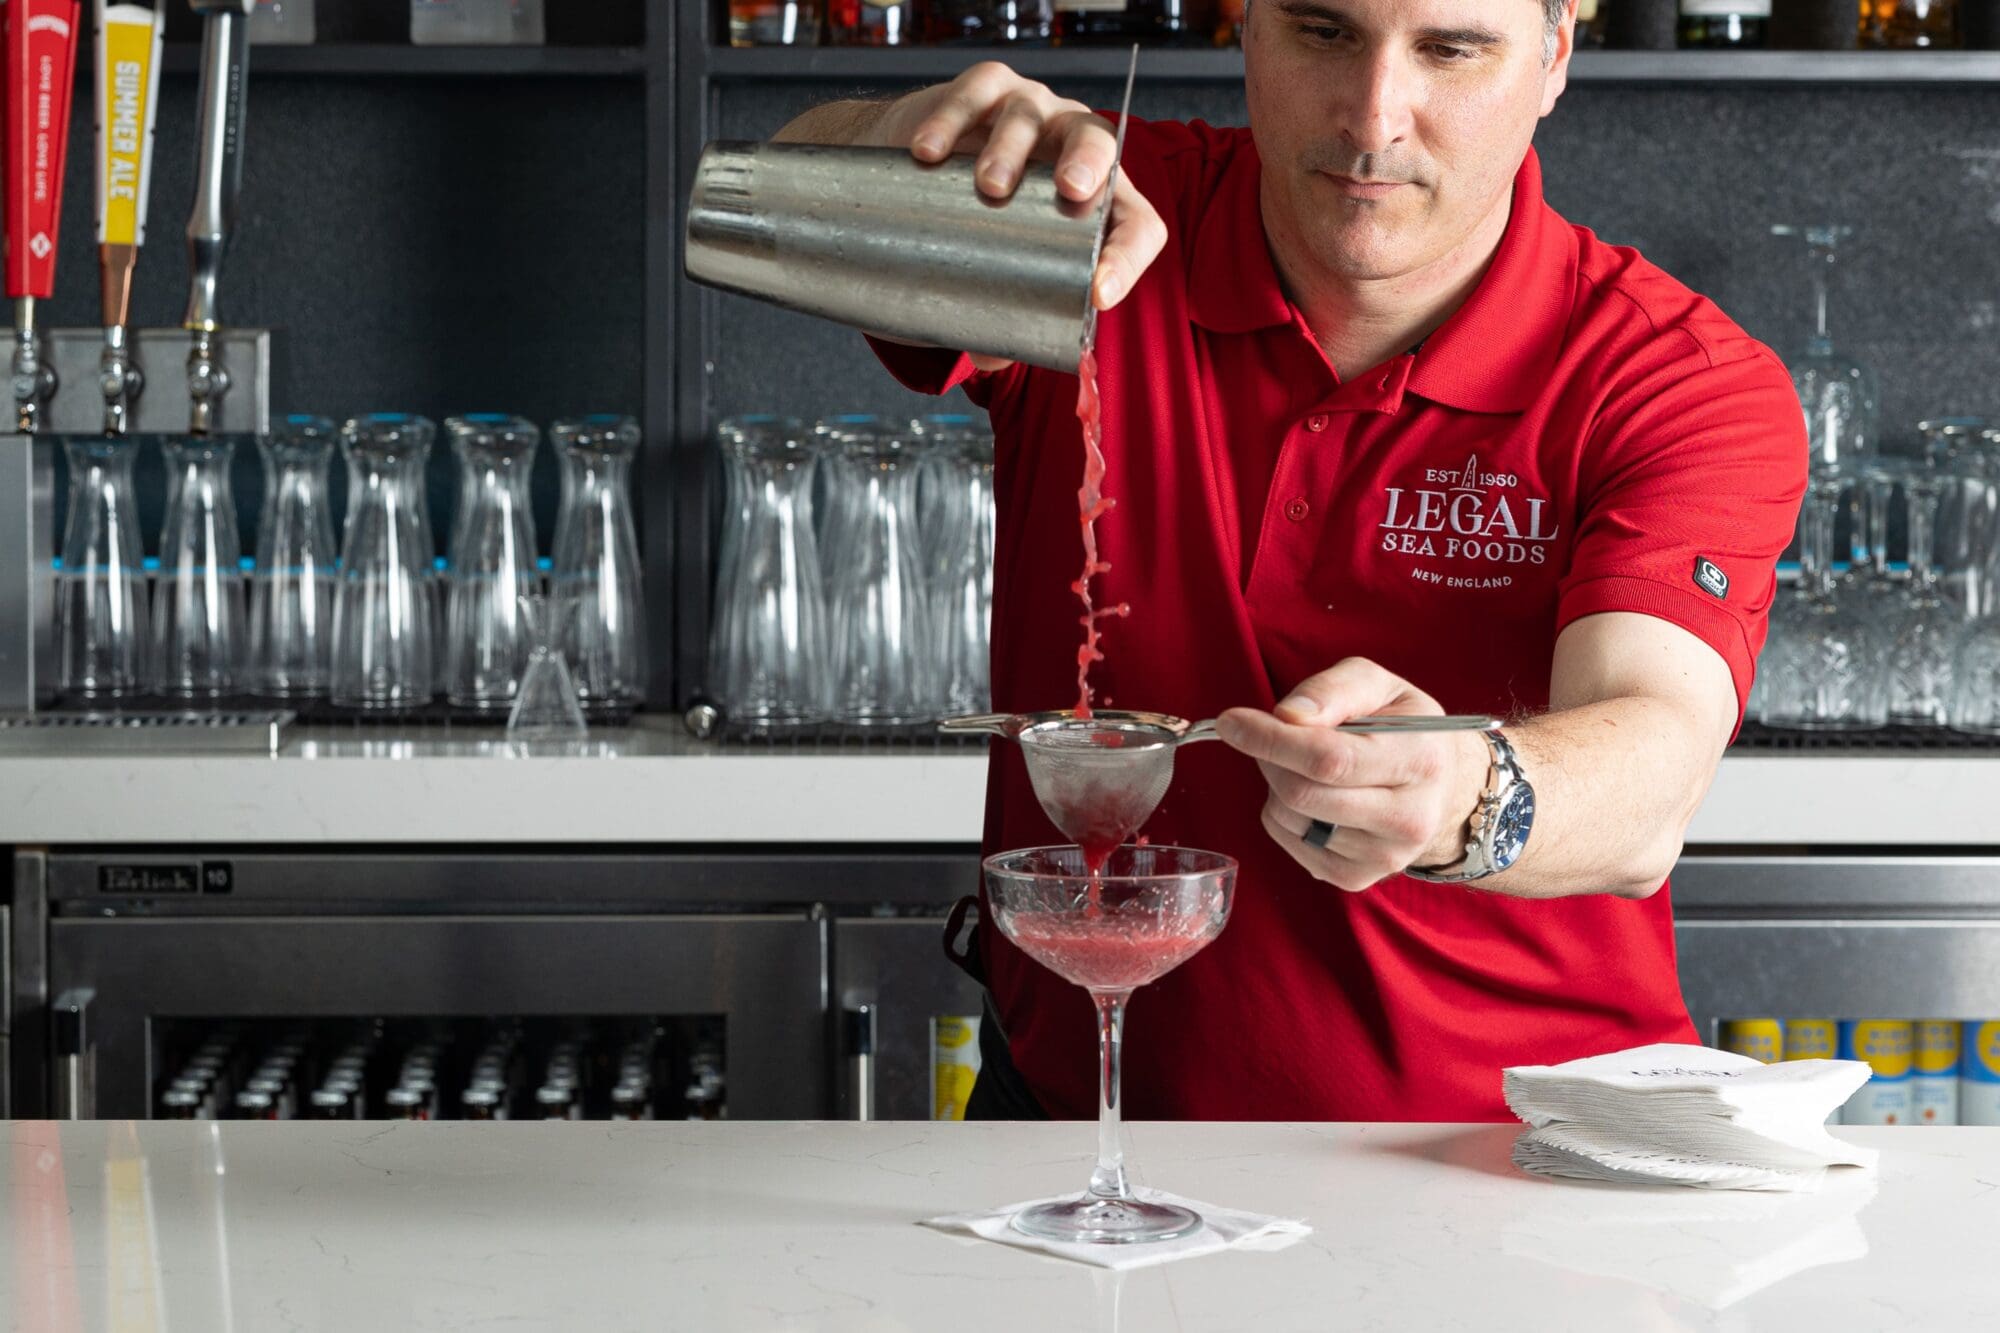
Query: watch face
(1510, 831)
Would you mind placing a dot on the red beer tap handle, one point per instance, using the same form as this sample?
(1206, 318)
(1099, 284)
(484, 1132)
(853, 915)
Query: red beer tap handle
(40, 80)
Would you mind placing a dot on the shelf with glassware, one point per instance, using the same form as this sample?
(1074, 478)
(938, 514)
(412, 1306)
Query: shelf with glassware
(1858, 645)
(374, 627)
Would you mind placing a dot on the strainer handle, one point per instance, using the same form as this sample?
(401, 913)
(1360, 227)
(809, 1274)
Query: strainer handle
(997, 724)
(1205, 731)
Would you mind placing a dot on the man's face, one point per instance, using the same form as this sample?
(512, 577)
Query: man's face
(1389, 129)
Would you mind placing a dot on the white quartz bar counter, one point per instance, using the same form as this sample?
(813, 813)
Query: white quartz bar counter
(653, 784)
(600, 1228)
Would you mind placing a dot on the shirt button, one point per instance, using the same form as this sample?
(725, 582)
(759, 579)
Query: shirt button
(1297, 511)
(1316, 423)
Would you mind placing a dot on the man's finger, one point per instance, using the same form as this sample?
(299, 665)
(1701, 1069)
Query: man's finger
(1085, 147)
(1380, 812)
(1135, 240)
(1330, 758)
(1013, 136)
(1327, 863)
(967, 102)
(1356, 687)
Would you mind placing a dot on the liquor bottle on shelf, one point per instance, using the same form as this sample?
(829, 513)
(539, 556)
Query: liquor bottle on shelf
(774, 22)
(1905, 24)
(1229, 22)
(1014, 21)
(1725, 24)
(872, 22)
(1590, 23)
(1152, 21)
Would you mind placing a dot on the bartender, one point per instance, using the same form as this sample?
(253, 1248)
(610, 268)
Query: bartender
(1386, 435)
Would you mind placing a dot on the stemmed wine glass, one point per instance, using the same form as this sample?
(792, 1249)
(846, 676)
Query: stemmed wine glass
(1839, 395)
(1148, 911)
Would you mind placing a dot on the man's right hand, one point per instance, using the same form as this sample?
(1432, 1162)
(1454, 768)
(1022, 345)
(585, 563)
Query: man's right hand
(1008, 121)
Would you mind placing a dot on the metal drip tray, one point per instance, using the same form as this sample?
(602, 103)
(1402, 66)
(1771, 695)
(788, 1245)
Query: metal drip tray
(231, 732)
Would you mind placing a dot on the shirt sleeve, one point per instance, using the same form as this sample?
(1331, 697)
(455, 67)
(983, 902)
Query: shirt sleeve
(1692, 485)
(934, 371)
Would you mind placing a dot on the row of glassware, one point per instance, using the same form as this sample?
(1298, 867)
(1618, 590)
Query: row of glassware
(855, 582)
(370, 624)
(1861, 644)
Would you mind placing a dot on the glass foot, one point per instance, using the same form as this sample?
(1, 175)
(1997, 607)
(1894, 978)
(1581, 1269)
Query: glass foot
(1094, 1221)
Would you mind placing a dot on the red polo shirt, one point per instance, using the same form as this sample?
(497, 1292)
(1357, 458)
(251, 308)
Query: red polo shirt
(1578, 438)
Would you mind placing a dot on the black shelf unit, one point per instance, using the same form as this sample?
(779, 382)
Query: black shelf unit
(390, 60)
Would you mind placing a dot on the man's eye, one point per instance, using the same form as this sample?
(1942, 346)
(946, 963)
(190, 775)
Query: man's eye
(1452, 54)
(1320, 33)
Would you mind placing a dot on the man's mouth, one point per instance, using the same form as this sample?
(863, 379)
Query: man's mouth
(1364, 189)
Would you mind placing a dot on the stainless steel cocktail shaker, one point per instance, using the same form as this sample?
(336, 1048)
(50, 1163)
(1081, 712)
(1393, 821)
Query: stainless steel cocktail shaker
(872, 238)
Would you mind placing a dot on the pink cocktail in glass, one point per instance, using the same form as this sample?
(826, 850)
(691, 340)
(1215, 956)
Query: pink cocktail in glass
(1147, 911)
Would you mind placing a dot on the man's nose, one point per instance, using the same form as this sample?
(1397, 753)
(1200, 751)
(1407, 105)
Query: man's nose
(1381, 104)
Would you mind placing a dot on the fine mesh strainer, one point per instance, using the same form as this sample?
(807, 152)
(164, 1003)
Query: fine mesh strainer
(1100, 778)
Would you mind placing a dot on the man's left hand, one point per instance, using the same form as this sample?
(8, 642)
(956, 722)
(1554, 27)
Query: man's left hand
(1396, 800)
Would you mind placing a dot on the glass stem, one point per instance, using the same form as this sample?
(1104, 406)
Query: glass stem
(1821, 263)
(1881, 494)
(1816, 555)
(1108, 1180)
(1922, 503)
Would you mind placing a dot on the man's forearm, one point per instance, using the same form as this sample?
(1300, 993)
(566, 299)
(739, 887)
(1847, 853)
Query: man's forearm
(1616, 784)
(836, 123)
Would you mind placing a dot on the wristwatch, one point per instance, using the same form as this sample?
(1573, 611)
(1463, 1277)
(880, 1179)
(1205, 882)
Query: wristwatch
(1499, 828)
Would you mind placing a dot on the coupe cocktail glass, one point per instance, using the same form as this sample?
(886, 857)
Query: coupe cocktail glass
(1149, 910)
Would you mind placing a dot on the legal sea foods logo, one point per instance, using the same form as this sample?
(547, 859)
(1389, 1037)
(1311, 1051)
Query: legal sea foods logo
(1466, 518)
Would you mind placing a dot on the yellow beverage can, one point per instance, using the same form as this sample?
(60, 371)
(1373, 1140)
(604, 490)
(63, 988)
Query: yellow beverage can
(1810, 1038)
(1762, 1039)
(1885, 1045)
(1934, 1082)
(954, 1064)
(1979, 1074)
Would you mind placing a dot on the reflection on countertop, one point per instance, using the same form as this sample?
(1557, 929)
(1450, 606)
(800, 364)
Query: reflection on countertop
(415, 1226)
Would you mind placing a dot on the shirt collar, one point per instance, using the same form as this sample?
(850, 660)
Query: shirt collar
(1490, 356)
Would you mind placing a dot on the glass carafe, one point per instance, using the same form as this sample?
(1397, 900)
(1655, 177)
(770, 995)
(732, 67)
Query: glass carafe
(767, 649)
(881, 644)
(491, 563)
(600, 591)
(101, 612)
(958, 520)
(384, 611)
(291, 586)
(198, 601)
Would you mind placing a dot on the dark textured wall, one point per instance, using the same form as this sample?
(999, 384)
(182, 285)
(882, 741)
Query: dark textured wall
(1695, 176)
(430, 246)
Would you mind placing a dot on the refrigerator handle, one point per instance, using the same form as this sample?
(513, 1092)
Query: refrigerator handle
(858, 1039)
(75, 1056)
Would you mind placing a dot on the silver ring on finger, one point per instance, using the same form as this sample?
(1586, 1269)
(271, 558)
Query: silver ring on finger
(1319, 833)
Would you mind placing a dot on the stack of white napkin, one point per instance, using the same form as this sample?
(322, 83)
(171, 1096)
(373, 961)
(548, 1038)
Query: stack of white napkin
(1685, 1115)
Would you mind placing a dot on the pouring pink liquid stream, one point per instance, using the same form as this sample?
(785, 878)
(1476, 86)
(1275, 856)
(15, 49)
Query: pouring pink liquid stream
(1098, 842)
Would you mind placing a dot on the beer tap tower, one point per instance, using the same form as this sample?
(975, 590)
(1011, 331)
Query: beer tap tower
(89, 381)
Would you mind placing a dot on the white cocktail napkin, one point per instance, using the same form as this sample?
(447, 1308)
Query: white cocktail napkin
(1685, 1115)
(1222, 1229)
